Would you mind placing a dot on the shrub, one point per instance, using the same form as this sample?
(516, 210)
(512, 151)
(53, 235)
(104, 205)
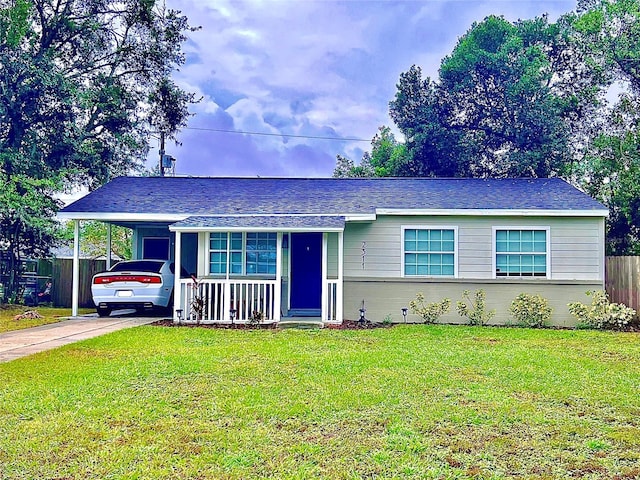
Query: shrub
(476, 313)
(531, 310)
(430, 312)
(601, 313)
(256, 318)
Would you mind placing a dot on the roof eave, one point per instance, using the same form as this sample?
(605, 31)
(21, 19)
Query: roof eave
(504, 212)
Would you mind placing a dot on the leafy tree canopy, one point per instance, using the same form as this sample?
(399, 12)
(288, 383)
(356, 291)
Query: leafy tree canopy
(608, 35)
(83, 83)
(532, 99)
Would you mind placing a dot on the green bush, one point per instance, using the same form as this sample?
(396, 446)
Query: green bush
(476, 312)
(601, 313)
(531, 310)
(430, 312)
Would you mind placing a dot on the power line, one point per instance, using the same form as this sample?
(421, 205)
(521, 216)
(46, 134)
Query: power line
(264, 134)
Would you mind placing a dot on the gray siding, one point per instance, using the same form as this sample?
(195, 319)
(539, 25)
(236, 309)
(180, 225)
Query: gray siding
(387, 297)
(332, 255)
(576, 250)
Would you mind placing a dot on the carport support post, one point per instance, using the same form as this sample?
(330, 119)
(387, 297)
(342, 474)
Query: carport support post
(177, 287)
(76, 269)
(108, 257)
(339, 292)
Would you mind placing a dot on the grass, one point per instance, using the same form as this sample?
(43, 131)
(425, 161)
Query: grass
(49, 314)
(417, 401)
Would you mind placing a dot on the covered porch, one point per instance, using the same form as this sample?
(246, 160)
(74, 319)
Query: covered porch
(261, 269)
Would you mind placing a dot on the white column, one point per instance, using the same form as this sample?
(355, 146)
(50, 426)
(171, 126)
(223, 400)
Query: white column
(278, 290)
(227, 305)
(75, 285)
(339, 301)
(325, 299)
(177, 286)
(108, 253)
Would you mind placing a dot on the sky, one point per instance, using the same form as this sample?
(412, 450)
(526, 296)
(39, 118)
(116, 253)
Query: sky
(288, 70)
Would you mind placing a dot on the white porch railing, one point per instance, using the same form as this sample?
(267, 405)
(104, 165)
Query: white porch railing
(332, 302)
(212, 300)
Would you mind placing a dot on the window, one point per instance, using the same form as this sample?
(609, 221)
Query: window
(218, 253)
(252, 253)
(155, 248)
(261, 253)
(429, 252)
(236, 253)
(521, 253)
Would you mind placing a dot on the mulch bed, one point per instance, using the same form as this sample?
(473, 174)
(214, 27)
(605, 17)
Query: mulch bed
(227, 326)
(358, 325)
(345, 325)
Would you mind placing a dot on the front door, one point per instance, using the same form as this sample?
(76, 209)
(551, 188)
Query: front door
(306, 272)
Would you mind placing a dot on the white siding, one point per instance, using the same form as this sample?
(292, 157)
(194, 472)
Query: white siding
(576, 245)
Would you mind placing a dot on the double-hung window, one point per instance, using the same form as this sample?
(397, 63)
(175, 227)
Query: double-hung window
(429, 251)
(521, 252)
(251, 253)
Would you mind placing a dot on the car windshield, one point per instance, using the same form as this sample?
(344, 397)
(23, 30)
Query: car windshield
(138, 266)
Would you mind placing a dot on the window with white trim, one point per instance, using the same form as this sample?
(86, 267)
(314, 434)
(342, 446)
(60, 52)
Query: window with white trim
(218, 253)
(236, 264)
(261, 253)
(251, 253)
(521, 253)
(429, 252)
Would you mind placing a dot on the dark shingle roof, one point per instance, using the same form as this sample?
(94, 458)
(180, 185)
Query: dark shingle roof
(326, 196)
(267, 221)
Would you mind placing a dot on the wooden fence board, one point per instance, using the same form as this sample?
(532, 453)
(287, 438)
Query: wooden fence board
(63, 280)
(622, 276)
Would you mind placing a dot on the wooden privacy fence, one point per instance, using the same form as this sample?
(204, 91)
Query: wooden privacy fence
(623, 280)
(62, 276)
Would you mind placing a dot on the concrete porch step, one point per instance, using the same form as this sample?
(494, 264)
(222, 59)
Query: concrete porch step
(300, 322)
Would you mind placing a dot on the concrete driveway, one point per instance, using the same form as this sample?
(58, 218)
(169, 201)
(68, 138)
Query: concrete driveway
(21, 343)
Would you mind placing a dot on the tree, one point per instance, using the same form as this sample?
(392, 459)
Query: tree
(83, 83)
(502, 105)
(387, 158)
(498, 84)
(607, 33)
(346, 168)
(94, 236)
(421, 114)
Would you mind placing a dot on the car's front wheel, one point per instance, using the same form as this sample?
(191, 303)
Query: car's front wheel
(103, 311)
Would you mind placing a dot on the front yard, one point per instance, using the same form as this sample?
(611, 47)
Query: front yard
(415, 401)
(8, 313)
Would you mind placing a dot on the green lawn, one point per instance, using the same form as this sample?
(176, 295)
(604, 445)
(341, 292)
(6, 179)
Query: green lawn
(49, 314)
(440, 402)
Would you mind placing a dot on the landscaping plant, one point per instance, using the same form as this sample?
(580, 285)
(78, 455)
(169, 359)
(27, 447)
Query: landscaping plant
(601, 313)
(531, 310)
(256, 318)
(430, 312)
(476, 312)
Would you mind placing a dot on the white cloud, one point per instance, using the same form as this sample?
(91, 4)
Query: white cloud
(318, 68)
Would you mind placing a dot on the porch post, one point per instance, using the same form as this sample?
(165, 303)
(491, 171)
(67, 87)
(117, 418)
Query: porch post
(177, 287)
(227, 304)
(108, 253)
(75, 282)
(325, 302)
(278, 290)
(340, 277)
